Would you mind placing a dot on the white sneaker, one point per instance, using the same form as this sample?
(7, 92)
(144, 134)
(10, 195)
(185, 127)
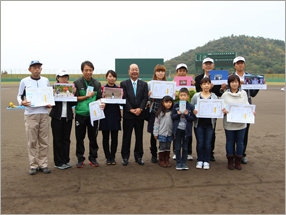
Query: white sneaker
(174, 157)
(206, 165)
(199, 165)
(190, 157)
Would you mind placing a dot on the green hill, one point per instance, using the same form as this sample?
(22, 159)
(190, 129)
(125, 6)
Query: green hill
(263, 56)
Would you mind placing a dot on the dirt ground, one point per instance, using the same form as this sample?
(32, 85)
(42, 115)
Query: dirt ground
(259, 188)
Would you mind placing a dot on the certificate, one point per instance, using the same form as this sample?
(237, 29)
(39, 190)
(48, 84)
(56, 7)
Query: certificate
(95, 111)
(218, 77)
(64, 92)
(210, 108)
(240, 113)
(113, 96)
(160, 89)
(253, 82)
(40, 96)
(184, 81)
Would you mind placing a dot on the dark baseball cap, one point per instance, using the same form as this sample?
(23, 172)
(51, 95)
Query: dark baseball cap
(33, 62)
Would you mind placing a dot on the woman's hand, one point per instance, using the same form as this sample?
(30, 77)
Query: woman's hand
(195, 112)
(149, 93)
(225, 111)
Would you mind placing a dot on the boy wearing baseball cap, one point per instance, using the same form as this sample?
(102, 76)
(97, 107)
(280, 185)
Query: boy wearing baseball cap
(208, 65)
(36, 120)
(182, 70)
(239, 65)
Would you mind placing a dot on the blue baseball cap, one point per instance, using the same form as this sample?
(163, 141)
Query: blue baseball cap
(33, 62)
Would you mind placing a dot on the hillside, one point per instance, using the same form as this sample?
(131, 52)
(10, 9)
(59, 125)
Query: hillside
(263, 56)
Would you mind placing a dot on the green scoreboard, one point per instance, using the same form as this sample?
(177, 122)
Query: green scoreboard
(146, 67)
(221, 59)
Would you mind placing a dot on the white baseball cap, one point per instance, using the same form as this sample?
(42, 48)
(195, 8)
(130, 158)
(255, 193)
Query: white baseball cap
(208, 59)
(62, 72)
(181, 65)
(239, 58)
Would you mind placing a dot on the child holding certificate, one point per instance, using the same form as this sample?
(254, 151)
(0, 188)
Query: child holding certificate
(163, 130)
(159, 75)
(183, 117)
(234, 132)
(61, 123)
(204, 127)
(111, 123)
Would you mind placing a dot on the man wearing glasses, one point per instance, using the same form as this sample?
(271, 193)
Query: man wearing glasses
(36, 121)
(135, 92)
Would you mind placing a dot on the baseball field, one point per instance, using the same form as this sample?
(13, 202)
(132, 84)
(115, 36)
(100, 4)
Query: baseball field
(259, 188)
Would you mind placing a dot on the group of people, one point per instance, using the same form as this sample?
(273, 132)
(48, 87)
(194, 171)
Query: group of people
(166, 122)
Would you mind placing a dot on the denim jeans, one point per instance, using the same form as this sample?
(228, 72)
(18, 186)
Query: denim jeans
(181, 142)
(234, 136)
(204, 135)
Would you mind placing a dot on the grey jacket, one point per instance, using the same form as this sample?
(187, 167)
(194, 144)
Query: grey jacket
(163, 126)
(194, 102)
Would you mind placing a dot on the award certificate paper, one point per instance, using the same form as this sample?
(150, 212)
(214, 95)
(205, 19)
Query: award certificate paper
(241, 113)
(95, 112)
(210, 108)
(160, 89)
(40, 96)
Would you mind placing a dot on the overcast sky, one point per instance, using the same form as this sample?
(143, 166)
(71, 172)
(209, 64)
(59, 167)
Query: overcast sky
(64, 34)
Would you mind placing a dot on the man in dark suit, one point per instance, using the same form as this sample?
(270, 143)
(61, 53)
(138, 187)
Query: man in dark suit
(136, 94)
(208, 65)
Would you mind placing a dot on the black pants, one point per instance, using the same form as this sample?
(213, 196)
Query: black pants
(190, 145)
(61, 130)
(213, 142)
(244, 141)
(153, 143)
(81, 123)
(110, 154)
(128, 125)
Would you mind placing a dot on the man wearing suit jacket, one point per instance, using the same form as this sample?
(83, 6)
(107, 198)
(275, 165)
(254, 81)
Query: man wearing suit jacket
(136, 94)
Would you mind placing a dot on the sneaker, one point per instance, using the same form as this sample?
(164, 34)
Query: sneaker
(179, 166)
(212, 158)
(243, 160)
(45, 170)
(190, 157)
(199, 165)
(184, 166)
(174, 157)
(94, 163)
(206, 165)
(68, 165)
(33, 171)
(62, 166)
(80, 164)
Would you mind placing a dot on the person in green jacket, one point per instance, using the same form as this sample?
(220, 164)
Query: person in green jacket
(182, 70)
(88, 90)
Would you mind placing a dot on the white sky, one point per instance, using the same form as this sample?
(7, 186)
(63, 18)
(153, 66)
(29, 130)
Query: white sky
(64, 34)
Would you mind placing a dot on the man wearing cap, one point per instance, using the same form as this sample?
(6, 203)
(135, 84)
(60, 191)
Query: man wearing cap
(36, 120)
(239, 65)
(208, 65)
(82, 117)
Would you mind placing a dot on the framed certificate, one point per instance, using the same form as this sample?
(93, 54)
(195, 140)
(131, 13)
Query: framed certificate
(255, 82)
(241, 113)
(184, 81)
(64, 92)
(210, 108)
(160, 89)
(40, 96)
(113, 96)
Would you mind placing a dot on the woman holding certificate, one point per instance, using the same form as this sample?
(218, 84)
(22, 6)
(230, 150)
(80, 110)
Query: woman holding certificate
(234, 132)
(159, 75)
(204, 127)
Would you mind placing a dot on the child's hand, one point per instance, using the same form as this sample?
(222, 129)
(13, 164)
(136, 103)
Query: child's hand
(179, 112)
(175, 94)
(156, 137)
(149, 93)
(225, 111)
(254, 113)
(195, 112)
(186, 112)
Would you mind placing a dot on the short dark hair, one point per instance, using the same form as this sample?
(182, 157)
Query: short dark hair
(112, 73)
(87, 63)
(232, 78)
(205, 80)
(184, 90)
